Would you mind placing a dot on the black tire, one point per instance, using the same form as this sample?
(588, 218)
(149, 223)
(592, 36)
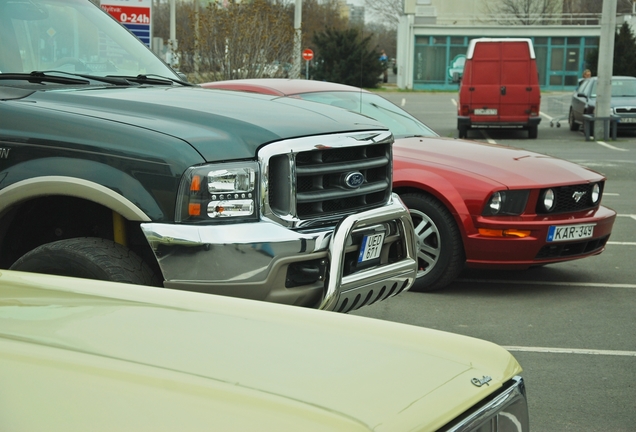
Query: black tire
(463, 132)
(440, 249)
(574, 126)
(88, 258)
(533, 132)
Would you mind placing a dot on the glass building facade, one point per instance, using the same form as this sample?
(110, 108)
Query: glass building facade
(560, 60)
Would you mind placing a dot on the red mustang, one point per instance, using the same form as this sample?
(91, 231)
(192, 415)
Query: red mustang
(473, 204)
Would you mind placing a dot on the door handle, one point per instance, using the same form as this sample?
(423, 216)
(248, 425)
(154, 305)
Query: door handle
(503, 90)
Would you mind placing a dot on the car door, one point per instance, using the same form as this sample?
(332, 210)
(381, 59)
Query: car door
(580, 99)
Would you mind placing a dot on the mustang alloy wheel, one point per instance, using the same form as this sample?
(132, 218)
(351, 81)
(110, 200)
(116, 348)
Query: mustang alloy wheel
(440, 254)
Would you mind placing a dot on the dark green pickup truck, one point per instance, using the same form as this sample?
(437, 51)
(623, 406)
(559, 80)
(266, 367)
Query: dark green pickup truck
(112, 167)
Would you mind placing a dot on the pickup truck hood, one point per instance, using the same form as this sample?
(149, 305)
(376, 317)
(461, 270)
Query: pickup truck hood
(218, 124)
(203, 362)
(509, 166)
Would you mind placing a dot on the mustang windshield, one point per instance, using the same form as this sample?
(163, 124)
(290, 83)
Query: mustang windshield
(401, 123)
(71, 36)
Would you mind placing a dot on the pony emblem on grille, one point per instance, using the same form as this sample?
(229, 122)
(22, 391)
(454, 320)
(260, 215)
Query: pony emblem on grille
(578, 195)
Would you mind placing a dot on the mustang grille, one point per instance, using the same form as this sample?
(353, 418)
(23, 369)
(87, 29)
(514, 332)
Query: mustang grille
(318, 181)
(566, 202)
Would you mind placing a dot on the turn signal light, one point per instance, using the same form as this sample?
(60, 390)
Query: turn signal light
(504, 233)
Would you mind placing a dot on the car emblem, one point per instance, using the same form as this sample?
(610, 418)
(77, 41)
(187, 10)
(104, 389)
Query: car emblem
(578, 195)
(480, 382)
(354, 180)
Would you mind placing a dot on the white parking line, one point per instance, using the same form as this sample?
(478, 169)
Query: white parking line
(633, 216)
(571, 351)
(609, 146)
(403, 102)
(527, 282)
(488, 139)
(622, 243)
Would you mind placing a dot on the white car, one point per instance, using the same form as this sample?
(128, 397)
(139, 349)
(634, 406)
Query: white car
(86, 355)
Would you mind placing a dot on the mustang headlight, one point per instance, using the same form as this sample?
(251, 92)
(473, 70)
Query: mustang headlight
(548, 200)
(508, 202)
(596, 193)
(218, 192)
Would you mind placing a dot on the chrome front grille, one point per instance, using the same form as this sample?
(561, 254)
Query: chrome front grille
(566, 202)
(308, 180)
(625, 110)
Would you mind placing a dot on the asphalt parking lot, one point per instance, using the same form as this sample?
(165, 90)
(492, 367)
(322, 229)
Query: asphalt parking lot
(572, 326)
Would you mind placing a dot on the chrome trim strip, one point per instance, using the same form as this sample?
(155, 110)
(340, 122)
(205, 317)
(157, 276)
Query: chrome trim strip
(515, 393)
(74, 187)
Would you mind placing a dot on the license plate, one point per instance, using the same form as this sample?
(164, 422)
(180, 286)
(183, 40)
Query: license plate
(628, 119)
(557, 233)
(371, 247)
(483, 111)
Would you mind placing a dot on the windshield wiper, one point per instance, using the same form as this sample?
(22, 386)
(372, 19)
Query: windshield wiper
(153, 79)
(71, 78)
(38, 77)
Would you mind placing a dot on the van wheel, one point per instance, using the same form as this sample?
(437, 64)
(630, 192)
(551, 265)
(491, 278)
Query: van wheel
(88, 258)
(440, 255)
(463, 132)
(533, 132)
(574, 126)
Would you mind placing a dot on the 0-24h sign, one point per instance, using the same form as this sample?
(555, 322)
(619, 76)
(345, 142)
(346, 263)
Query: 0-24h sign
(132, 14)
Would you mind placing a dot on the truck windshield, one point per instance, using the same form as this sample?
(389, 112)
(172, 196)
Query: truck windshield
(71, 36)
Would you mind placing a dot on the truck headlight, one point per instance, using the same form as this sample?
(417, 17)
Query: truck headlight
(218, 192)
(507, 202)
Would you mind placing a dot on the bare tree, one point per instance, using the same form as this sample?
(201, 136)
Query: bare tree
(228, 40)
(595, 6)
(386, 12)
(523, 12)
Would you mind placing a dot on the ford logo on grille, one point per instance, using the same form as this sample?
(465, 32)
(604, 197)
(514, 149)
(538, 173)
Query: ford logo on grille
(354, 180)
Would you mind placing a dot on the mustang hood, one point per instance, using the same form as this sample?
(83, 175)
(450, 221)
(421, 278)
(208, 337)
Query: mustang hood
(207, 119)
(180, 357)
(515, 168)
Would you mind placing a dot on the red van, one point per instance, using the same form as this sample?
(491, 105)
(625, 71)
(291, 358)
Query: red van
(499, 87)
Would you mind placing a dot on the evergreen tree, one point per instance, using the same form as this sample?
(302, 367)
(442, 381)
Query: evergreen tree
(343, 56)
(624, 53)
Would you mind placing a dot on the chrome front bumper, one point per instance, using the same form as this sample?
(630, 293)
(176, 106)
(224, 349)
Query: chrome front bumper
(252, 260)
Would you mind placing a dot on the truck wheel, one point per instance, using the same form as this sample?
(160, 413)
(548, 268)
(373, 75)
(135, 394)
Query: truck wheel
(89, 258)
(440, 254)
(533, 132)
(463, 132)
(574, 126)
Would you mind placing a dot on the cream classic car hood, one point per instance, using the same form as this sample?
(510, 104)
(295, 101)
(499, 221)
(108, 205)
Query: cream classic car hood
(89, 355)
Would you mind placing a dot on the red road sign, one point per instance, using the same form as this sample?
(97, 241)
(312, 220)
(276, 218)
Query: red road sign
(308, 54)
